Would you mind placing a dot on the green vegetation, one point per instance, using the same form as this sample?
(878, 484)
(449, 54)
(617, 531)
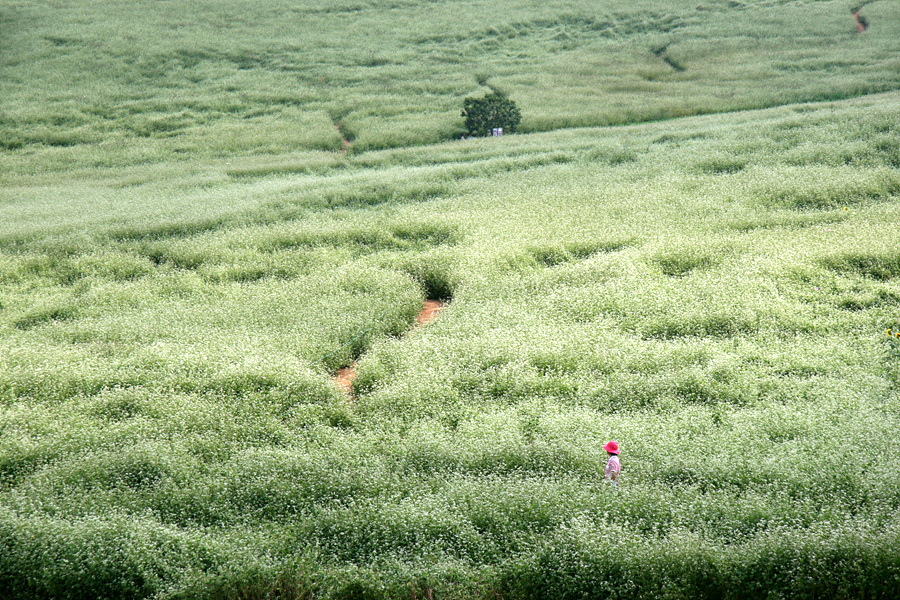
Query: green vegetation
(161, 80)
(188, 253)
(494, 111)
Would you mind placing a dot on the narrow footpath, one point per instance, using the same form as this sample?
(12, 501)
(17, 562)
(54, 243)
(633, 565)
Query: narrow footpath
(345, 376)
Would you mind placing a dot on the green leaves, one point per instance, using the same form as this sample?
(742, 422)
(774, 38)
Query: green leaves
(483, 115)
(694, 289)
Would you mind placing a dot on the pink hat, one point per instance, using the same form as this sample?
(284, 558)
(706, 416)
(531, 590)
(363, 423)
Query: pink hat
(612, 446)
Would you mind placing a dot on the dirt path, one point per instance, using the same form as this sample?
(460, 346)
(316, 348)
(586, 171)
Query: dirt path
(344, 377)
(429, 312)
(861, 23)
(345, 141)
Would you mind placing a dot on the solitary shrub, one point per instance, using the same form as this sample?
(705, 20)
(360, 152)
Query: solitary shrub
(494, 110)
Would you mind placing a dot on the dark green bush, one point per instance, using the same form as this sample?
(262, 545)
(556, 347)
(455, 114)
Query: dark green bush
(494, 110)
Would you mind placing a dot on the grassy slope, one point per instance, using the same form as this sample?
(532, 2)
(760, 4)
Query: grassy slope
(157, 80)
(714, 292)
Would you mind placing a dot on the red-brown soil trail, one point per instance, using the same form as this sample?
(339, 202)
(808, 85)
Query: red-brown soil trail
(861, 23)
(344, 377)
(345, 143)
(429, 312)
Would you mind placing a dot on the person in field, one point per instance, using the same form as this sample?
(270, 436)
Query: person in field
(613, 466)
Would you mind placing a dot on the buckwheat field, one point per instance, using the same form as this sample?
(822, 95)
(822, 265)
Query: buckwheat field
(690, 246)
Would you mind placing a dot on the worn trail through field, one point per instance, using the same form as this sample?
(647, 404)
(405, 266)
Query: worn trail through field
(345, 376)
(861, 22)
(345, 137)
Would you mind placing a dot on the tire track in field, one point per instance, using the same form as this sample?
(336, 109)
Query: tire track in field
(345, 376)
